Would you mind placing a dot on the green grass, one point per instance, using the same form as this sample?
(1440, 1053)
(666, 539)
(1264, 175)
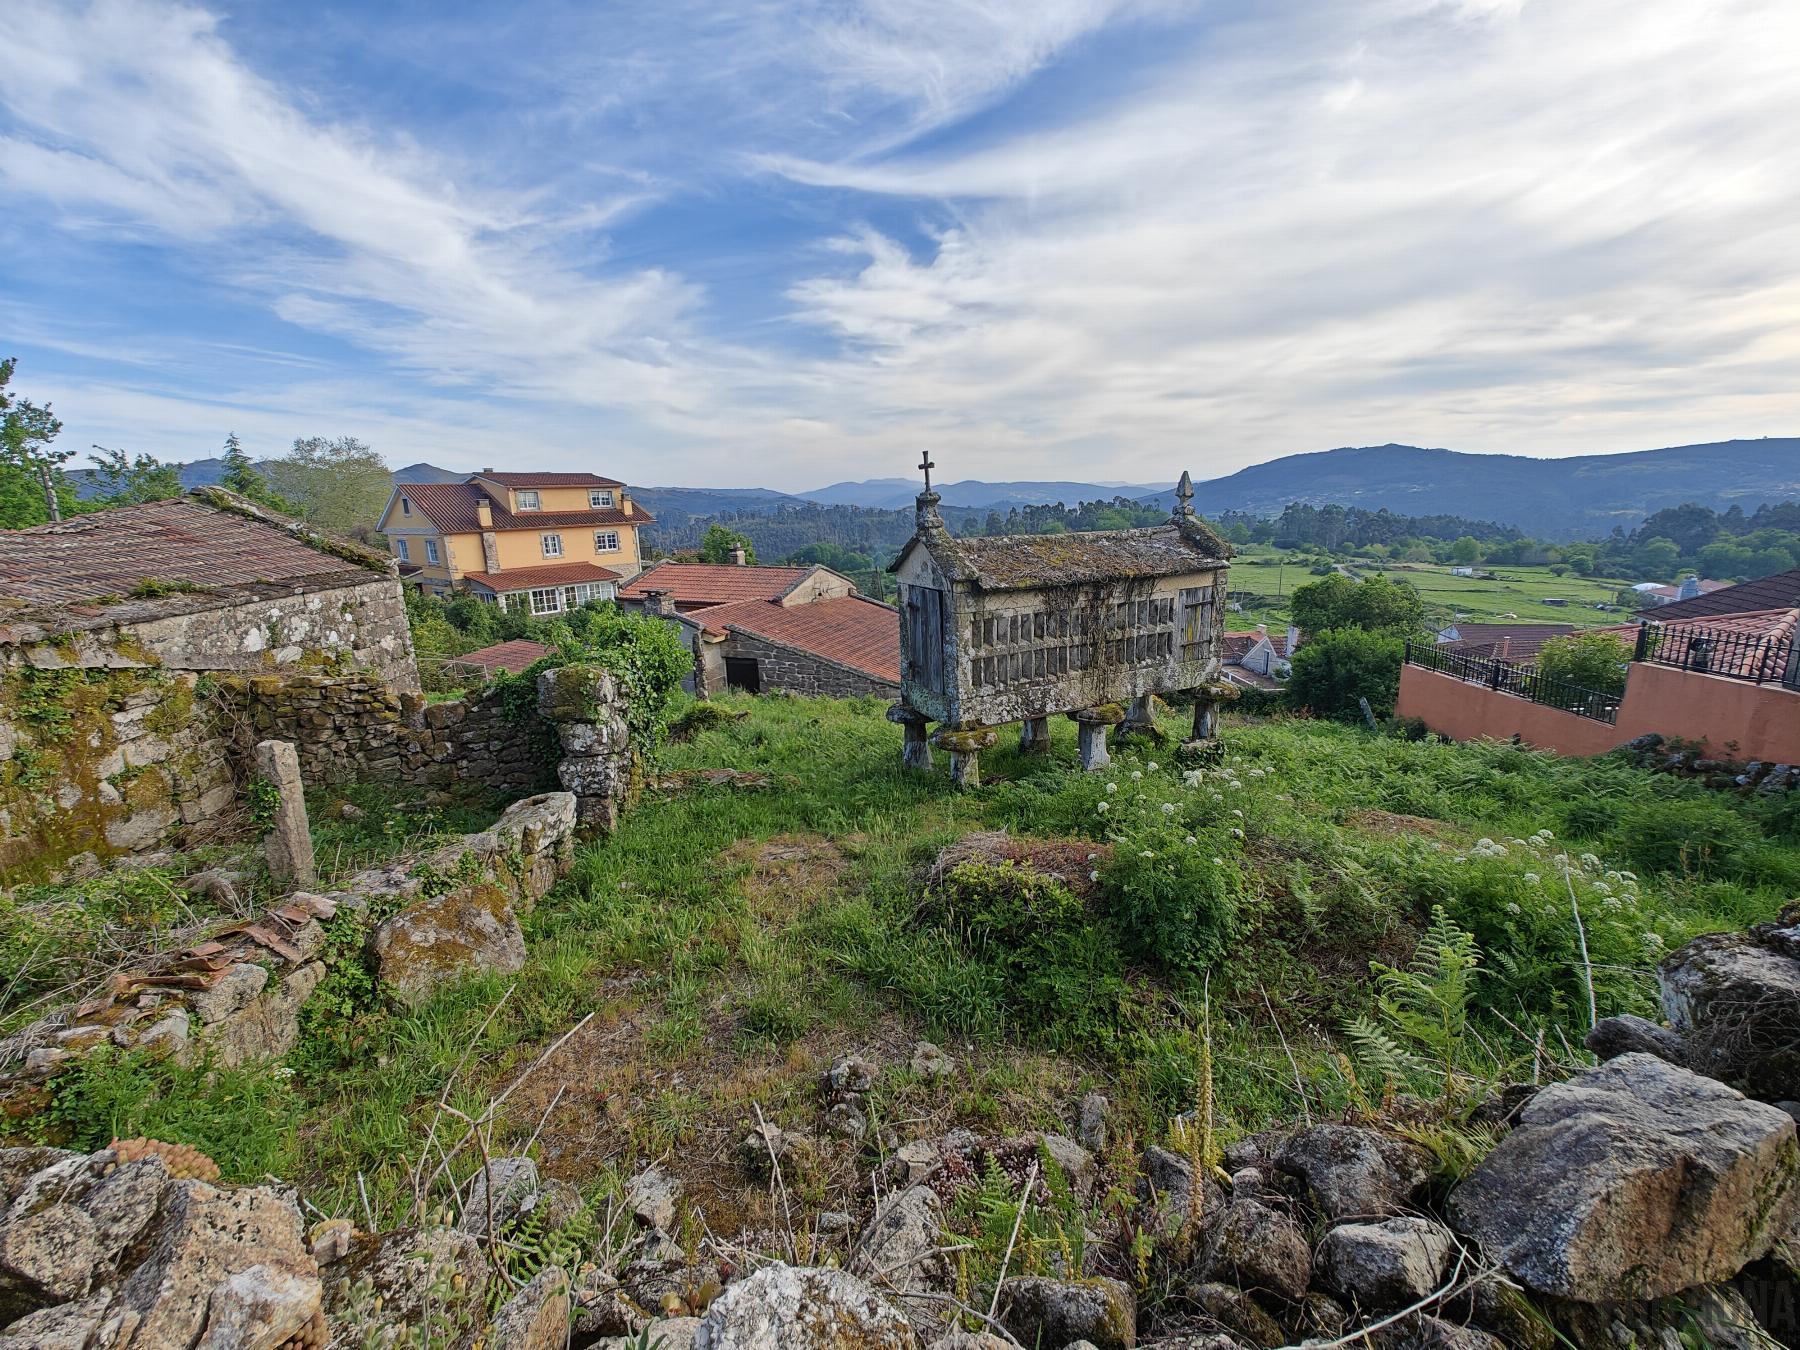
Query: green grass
(718, 980)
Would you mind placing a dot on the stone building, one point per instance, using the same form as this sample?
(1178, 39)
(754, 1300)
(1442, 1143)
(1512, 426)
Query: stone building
(1016, 628)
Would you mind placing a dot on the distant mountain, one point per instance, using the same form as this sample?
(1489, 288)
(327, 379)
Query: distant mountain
(892, 494)
(428, 473)
(674, 506)
(1581, 497)
(882, 492)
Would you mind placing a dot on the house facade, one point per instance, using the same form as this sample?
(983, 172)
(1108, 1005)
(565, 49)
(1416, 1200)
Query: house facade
(546, 542)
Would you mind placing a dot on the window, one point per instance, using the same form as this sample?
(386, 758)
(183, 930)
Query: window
(431, 551)
(527, 500)
(405, 507)
(552, 545)
(606, 541)
(401, 552)
(547, 601)
(593, 590)
(600, 498)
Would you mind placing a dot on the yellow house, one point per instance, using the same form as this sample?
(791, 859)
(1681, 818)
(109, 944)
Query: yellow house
(547, 541)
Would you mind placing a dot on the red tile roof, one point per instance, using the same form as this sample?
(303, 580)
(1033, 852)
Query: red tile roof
(181, 540)
(451, 507)
(525, 578)
(1777, 592)
(1506, 641)
(1748, 645)
(513, 656)
(850, 630)
(531, 480)
(700, 584)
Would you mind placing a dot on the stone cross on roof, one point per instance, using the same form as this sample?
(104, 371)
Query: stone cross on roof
(926, 464)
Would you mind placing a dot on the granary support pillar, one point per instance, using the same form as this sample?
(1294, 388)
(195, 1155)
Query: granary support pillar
(1034, 736)
(965, 749)
(1209, 701)
(915, 748)
(1091, 725)
(1140, 718)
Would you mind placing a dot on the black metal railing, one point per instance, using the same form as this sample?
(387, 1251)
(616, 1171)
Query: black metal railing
(1525, 682)
(1761, 658)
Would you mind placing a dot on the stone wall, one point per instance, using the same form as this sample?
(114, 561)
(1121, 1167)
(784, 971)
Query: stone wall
(789, 670)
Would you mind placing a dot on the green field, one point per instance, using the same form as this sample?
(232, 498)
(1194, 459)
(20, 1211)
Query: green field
(1515, 593)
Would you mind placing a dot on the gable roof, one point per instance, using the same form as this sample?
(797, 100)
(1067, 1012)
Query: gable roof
(701, 584)
(513, 657)
(849, 630)
(209, 539)
(525, 578)
(550, 480)
(1780, 591)
(451, 507)
(1019, 562)
(1508, 641)
(1238, 645)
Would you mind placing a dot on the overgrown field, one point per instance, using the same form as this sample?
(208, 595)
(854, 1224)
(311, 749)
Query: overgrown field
(733, 937)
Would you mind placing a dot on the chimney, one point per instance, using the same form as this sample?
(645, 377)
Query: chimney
(484, 513)
(660, 603)
(488, 469)
(1262, 630)
(738, 559)
(1690, 587)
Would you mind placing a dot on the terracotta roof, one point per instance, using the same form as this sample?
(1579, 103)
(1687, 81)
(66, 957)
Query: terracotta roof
(531, 480)
(513, 656)
(850, 630)
(1019, 562)
(451, 507)
(700, 584)
(1777, 592)
(1755, 644)
(181, 540)
(1507, 641)
(1237, 645)
(525, 578)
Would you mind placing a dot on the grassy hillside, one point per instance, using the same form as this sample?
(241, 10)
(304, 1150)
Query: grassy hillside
(732, 938)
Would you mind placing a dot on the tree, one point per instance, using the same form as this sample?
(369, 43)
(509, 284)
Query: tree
(125, 481)
(1377, 605)
(1466, 550)
(339, 485)
(719, 543)
(31, 473)
(1335, 668)
(242, 478)
(1592, 660)
(1657, 557)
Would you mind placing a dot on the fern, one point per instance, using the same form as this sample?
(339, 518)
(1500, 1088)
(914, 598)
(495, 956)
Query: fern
(1421, 1039)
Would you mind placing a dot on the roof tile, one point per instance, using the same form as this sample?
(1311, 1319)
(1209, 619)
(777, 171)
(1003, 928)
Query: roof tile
(850, 630)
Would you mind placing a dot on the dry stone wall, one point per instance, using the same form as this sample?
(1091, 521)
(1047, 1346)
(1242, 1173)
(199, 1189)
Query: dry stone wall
(789, 670)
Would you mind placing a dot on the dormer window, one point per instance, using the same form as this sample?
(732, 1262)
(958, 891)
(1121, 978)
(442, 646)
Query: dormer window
(600, 499)
(526, 499)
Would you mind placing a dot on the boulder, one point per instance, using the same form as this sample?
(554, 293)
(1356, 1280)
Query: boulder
(930, 1062)
(651, 1196)
(1615, 1036)
(1355, 1173)
(1255, 1247)
(513, 1183)
(467, 932)
(63, 1326)
(801, 1308)
(1736, 997)
(977, 1340)
(1386, 1265)
(1634, 1181)
(897, 1249)
(46, 1257)
(1167, 1190)
(1239, 1314)
(1040, 1311)
(851, 1073)
(1436, 1333)
(537, 1317)
(397, 1272)
(1090, 1128)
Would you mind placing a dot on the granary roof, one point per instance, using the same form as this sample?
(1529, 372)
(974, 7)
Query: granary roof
(851, 630)
(1022, 562)
(209, 541)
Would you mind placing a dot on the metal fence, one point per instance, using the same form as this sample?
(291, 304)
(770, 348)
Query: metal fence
(1761, 658)
(1522, 681)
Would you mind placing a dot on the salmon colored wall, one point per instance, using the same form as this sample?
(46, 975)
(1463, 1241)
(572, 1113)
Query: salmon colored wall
(1763, 719)
(1467, 712)
(1737, 719)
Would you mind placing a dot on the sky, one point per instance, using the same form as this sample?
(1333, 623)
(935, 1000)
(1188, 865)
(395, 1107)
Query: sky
(787, 242)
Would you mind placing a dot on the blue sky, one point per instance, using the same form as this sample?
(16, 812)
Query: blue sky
(788, 243)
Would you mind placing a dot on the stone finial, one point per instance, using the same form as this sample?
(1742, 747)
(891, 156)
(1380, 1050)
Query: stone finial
(1184, 497)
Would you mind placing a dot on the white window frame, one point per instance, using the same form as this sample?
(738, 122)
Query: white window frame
(586, 591)
(546, 600)
(599, 499)
(603, 547)
(527, 499)
(401, 551)
(551, 544)
(432, 555)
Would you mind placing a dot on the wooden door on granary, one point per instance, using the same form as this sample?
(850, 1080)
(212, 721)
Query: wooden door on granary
(1196, 621)
(925, 637)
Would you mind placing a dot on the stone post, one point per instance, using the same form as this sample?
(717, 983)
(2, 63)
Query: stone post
(588, 710)
(1140, 718)
(1208, 701)
(915, 749)
(965, 749)
(1092, 723)
(288, 844)
(1034, 736)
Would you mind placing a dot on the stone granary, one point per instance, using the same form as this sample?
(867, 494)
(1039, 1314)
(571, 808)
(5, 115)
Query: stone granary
(1015, 628)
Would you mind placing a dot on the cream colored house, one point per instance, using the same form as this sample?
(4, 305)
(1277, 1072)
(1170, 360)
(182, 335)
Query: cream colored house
(546, 541)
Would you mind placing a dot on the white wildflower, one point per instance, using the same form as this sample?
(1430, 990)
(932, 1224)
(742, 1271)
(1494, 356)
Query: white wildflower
(1151, 766)
(1168, 808)
(1532, 877)
(1190, 841)
(1103, 807)
(1513, 908)
(1136, 775)
(1112, 787)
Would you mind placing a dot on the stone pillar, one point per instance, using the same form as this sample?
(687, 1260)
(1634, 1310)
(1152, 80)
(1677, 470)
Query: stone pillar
(915, 749)
(1034, 736)
(1140, 718)
(288, 844)
(588, 710)
(965, 747)
(1092, 724)
(1209, 701)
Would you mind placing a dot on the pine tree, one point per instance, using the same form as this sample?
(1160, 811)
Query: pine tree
(242, 478)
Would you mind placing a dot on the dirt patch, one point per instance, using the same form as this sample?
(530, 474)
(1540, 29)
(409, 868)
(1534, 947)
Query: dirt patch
(1392, 824)
(1070, 861)
(787, 874)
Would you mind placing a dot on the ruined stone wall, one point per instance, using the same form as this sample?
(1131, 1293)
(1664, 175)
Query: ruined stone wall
(789, 670)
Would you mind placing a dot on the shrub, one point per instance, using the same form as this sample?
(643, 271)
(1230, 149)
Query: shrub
(1342, 665)
(1594, 661)
(1690, 835)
